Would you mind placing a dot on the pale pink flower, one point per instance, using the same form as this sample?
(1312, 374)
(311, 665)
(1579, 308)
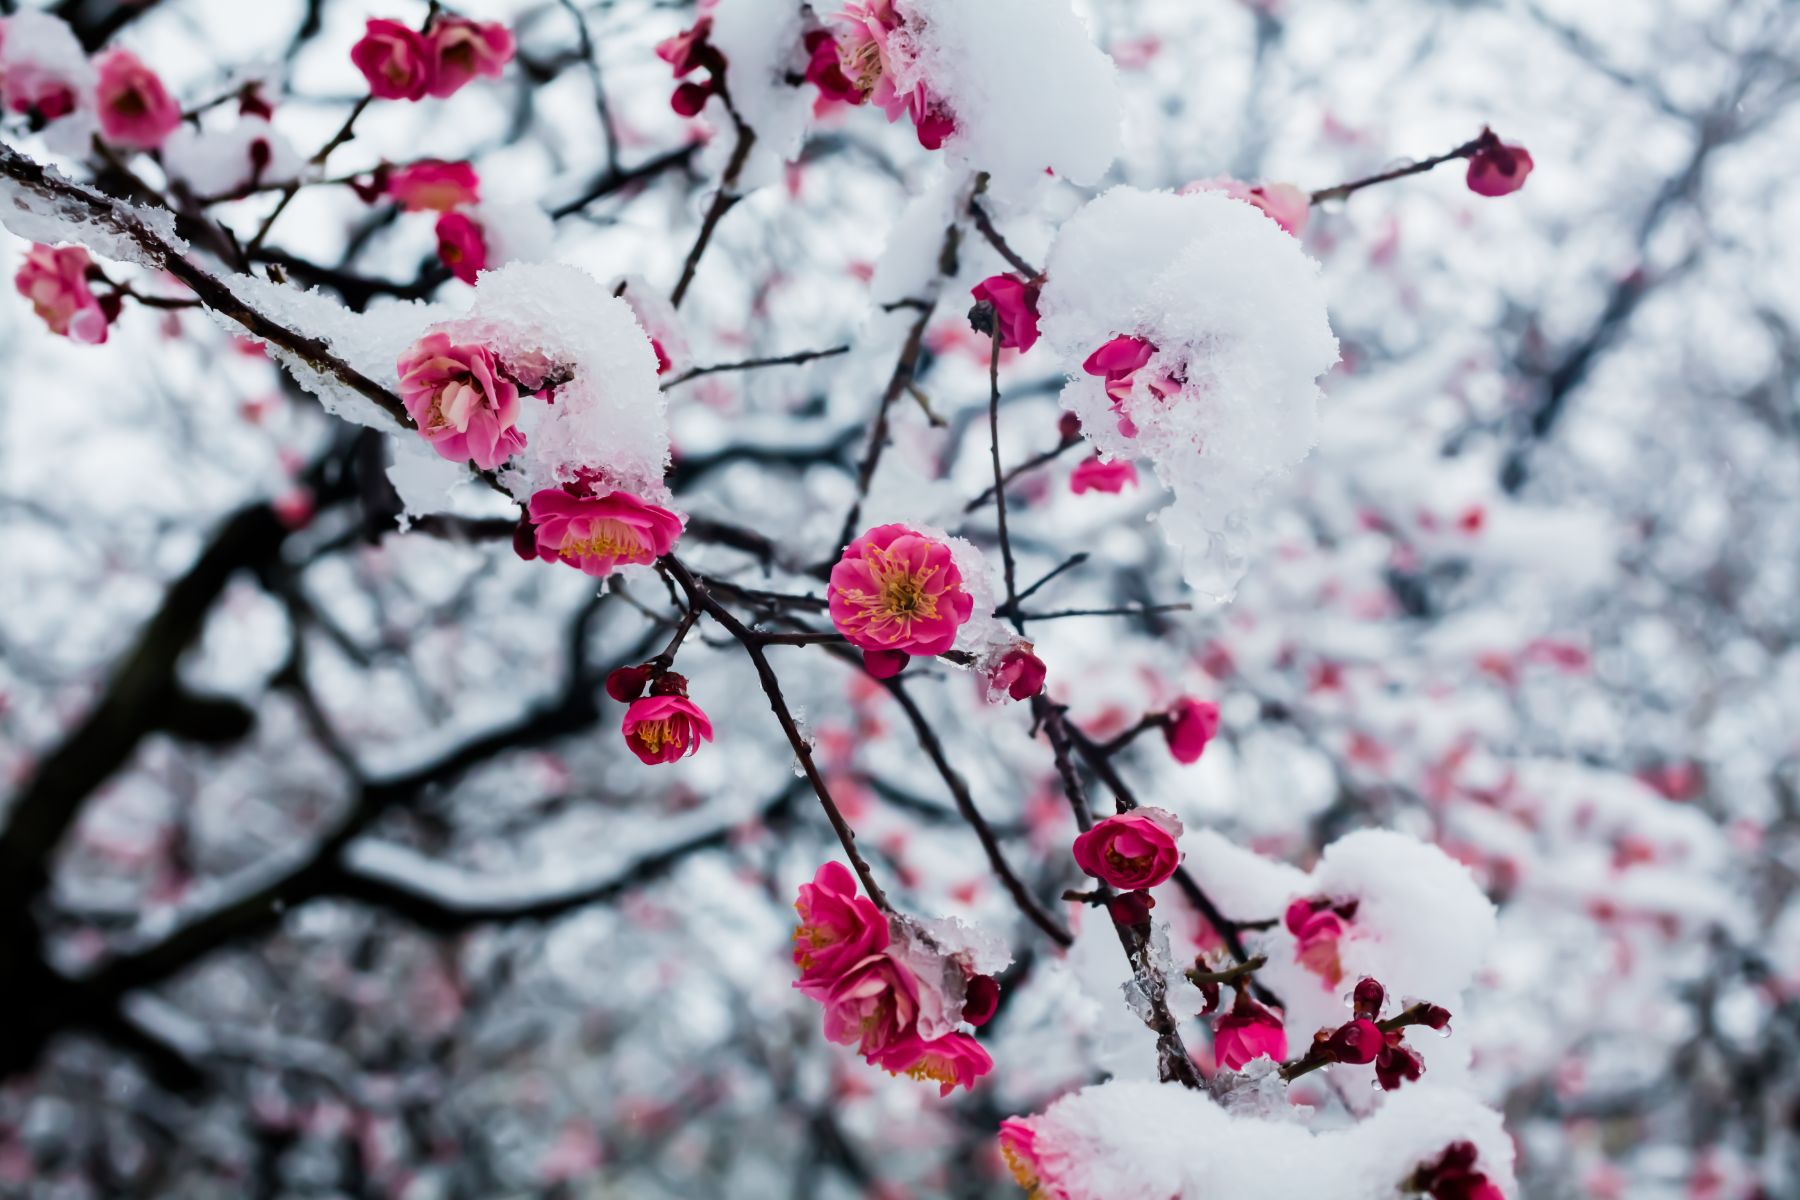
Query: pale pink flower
(1190, 726)
(1026, 1160)
(460, 400)
(838, 929)
(1497, 168)
(459, 50)
(874, 1006)
(1133, 850)
(1249, 1031)
(875, 52)
(462, 246)
(1283, 203)
(46, 84)
(1015, 308)
(394, 59)
(1317, 927)
(949, 1061)
(431, 184)
(667, 727)
(600, 534)
(55, 281)
(135, 109)
(896, 591)
(1098, 475)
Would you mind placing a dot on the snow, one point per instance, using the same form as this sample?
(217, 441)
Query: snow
(216, 162)
(762, 41)
(39, 52)
(1144, 1141)
(1237, 312)
(1029, 89)
(106, 227)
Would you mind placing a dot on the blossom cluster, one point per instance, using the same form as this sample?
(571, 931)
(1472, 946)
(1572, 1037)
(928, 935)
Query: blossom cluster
(402, 63)
(861, 966)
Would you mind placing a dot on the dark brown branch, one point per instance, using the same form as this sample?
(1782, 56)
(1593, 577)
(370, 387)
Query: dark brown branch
(722, 202)
(750, 364)
(1418, 167)
(986, 225)
(1030, 464)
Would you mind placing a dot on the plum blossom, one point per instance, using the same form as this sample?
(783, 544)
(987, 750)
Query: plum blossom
(878, 56)
(598, 534)
(460, 50)
(838, 928)
(1189, 727)
(43, 69)
(1453, 1176)
(135, 108)
(1018, 673)
(1247, 1032)
(54, 279)
(624, 684)
(462, 245)
(1118, 362)
(1015, 304)
(461, 401)
(1099, 475)
(395, 60)
(897, 593)
(1283, 203)
(665, 725)
(825, 70)
(1497, 168)
(1132, 850)
(687, 52)
(1318, 926)
(873, 1006)
(433, 185)
(953, 1060)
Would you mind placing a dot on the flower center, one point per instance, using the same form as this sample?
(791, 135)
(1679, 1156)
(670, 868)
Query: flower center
(861, 63)
(1021, 1169)
(657, 734)
(605, 538)
(456, 403)
(1126, 865)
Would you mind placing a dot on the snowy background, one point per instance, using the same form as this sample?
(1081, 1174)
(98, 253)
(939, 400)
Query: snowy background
(381, 906)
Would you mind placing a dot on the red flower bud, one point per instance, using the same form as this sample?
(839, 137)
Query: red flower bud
(981, 999)
(1359, 1041)
(1368, 998)
(627, 683)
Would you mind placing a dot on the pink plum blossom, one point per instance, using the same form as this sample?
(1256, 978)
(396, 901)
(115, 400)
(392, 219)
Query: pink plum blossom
(600, 534)
(1015, 308)
(1453, 1175)
(953, 1060)
(1098, 475)
(1497, 168)
(54, 279)
(838, 929)
(459, 50)
(461, 401)
(433, 185)
(875, 50)
(666, 726)
(1133, 850)
(1283, 203)
(462, 245)
(394, 59)
(38, 84)
(1249, 1031)
(1317, 927)
(896, 591)
(135, 109)
(1018, 1146)
(1191, 724)
(1019, 673)
(825, 71)
(626, 684)
(873, 1006)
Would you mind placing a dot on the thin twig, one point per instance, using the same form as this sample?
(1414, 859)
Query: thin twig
(1419, 167)
(750, 364)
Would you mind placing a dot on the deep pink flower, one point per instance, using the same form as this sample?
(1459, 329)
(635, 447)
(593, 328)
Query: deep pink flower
(1122, 356)
(690, 98)
(874, 1006)
(685, 51)
(1133, 850)
(431, 184)
(460, 401)
(1317, 928)
(55, 281)
(952, 1060)
(1397, 1062)
(135, 108)
(1247, 1032)
(825, 71)
(1015, 308)
(1191, 725)
(896, 590)
(1453, 1176)
(394, 59)
(981, 999)
(838, 929)
(600, 534)
(1098, 475)
(661, 729)
(885, 664)
(460, 49)
(874, 50)
(1357, 1041)
(462, 246)
(1497, 168)
(623, 684)
(1019, 673)
(933, 123)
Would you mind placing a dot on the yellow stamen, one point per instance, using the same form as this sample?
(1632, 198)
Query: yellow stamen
(902, 595)
(605, 539)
